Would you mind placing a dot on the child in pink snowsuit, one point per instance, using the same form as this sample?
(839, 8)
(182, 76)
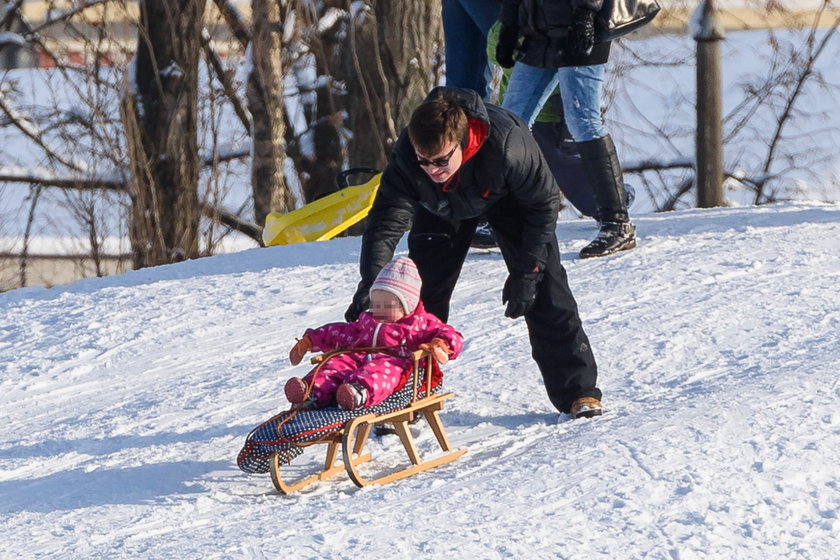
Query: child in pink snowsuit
(396, 318)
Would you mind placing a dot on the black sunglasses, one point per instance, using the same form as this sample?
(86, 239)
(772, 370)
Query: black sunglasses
(440, 162)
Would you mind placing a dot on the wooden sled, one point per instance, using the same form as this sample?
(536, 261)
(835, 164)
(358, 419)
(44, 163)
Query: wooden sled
(351, 438)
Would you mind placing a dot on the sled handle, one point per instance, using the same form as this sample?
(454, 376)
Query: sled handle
(419, 355)
(341, 178)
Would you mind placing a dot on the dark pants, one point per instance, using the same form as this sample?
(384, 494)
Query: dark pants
(465, 27)
(560, 153)
(558, 343)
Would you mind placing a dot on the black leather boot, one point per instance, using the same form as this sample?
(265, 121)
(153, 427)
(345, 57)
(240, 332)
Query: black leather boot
(602, 169)
(612, 238)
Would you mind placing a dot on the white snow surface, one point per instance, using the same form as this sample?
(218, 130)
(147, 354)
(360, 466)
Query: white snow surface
(125, 400)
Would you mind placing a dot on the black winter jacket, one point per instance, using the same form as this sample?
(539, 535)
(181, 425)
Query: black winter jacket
(544, 26)
(508, 166)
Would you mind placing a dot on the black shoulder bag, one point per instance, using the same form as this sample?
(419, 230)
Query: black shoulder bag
(619, 17)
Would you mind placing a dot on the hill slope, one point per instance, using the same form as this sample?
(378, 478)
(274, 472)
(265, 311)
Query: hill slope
(126, 399)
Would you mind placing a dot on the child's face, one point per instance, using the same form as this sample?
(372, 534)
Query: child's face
(385, 307)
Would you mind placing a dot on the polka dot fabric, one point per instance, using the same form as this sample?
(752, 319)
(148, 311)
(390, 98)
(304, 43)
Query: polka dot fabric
(312, 425)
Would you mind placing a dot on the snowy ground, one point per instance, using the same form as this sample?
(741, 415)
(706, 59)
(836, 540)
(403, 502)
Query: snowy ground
(125, 400)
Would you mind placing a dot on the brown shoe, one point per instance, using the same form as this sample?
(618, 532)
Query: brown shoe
(586, 407)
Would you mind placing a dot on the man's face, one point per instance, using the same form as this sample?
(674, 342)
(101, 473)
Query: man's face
(441, 166)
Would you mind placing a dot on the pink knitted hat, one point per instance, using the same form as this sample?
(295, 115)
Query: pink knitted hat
(400, 277)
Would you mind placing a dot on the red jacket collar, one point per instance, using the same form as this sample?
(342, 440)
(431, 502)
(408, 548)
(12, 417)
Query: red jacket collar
(477, 133)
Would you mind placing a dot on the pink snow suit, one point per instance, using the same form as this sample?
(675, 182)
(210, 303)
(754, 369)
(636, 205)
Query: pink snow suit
(379, 373)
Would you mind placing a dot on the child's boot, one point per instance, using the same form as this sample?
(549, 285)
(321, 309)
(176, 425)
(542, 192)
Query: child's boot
(295, 390)
(351, 396)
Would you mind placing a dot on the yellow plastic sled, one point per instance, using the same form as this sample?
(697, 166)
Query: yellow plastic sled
(324, 218)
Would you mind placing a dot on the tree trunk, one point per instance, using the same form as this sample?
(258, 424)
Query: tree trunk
(159, 112)
(265, 102)
(322, 167)
(393, 59)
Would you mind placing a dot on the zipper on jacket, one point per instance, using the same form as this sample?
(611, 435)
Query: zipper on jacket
(369, 357)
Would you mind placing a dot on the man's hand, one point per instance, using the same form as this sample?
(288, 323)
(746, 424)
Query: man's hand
(438, 348)
(508, 38)
(582, 35)
(300, 349)
(519, 293)
(361, 303)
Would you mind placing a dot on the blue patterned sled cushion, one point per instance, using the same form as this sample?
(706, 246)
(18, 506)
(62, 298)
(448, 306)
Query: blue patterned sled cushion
(308, 426)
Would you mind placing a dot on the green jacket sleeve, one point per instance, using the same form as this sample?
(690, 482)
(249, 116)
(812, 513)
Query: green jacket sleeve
(546, 114)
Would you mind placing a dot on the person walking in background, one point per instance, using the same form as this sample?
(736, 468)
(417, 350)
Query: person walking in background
(558, 49)
(459, 159)
(465, 27)
(555, 141)
(466, 24)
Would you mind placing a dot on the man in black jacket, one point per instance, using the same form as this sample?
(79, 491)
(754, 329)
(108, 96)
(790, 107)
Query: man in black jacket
(459, 159)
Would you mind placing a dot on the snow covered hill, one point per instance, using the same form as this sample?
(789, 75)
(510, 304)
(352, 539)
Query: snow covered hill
(124, 401)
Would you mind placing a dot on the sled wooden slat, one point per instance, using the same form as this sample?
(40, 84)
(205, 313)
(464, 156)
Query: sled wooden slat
(353, 436)
(360, 441)
(437, 427)
(357, 429)
(408, 441)
(331, 468)
(405, 473)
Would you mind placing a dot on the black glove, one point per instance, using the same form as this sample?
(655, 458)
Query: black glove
(519, 293)
(361, 303)
(582, 35)
(508, 38)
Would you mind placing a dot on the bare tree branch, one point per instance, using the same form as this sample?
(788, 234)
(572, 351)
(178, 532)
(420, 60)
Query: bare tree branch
(212, 211)
(68, 14)
(33, 134)
(235, 21)
(9, 14)
(48, 179)
(805, 73)
(232, 221)
(224, 79)
(30, 220)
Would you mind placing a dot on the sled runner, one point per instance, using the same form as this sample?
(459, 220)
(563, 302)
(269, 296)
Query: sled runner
(277, 441)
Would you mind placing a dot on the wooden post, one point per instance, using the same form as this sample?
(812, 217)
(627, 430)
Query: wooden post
(709, 141)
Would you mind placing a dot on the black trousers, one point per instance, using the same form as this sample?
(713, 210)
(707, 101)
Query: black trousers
(559, 345)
